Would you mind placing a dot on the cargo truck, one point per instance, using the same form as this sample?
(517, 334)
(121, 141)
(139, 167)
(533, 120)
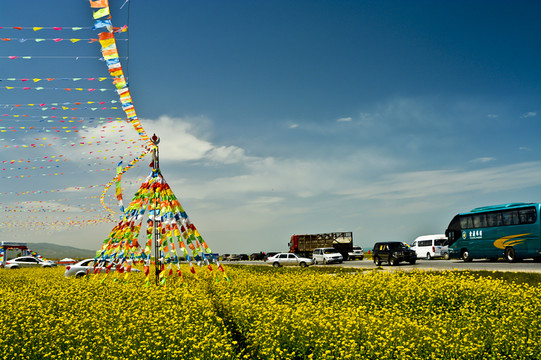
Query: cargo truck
(304, 245)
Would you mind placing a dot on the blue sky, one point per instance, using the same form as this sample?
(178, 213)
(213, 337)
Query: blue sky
(280, 117)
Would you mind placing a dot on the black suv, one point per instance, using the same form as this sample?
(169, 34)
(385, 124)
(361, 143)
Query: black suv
(393, 252)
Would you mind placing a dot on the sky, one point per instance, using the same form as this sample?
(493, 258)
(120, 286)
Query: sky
(384, 118)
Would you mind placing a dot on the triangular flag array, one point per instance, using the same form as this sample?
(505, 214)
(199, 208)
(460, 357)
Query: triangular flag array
(167, 222)
(169, 228)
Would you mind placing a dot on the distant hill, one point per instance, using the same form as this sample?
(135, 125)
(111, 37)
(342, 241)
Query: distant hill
(54, 251)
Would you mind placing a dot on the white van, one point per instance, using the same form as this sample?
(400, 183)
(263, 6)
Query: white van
(431, 246)
(326, 256)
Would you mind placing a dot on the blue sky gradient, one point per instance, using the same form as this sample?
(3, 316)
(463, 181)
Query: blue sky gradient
(289, 117)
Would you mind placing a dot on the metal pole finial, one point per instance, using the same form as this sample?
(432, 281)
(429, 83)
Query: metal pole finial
(155, 139)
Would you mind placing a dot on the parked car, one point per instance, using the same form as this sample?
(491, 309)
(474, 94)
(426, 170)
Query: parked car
(233, 257)
(393, 252)
(326, 256)
(356, 254)
(270, 254)
(79, 269)
(258, 256)
(85, 266)
(225, 257)
(244, 257)
(198, 257)
(28, 261)
(212, 256)
(431, 246)
(289, 259)
(66, 261)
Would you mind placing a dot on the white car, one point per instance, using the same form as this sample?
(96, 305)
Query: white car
(327, 256)
(28, 261)
(288, 259)
(356, 254)
(83, 267)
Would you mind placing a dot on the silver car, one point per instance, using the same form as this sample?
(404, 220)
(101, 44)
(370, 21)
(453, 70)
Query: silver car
(288, 259)
(85, 266)
(28, 261)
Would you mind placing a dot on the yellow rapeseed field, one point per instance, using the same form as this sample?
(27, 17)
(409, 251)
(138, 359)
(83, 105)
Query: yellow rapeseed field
(268, 314)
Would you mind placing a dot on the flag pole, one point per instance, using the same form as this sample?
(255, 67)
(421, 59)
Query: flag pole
(155, 169)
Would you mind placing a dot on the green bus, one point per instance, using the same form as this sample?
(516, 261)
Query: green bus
(511, 231)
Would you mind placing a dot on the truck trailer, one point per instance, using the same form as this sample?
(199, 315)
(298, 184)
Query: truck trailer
(304, 245)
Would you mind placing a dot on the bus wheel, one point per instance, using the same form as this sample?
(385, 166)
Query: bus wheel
(428, 256)
(510, 254)
(466, 255)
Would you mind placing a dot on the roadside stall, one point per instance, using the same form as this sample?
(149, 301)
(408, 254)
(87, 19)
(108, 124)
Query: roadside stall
(7, 245)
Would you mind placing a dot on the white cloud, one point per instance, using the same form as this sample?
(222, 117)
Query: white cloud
(182, 139)
(482, 160)
(293, 126)
(344, 119)
(425, 184)
(528, 114)
(286, 177)
(226, 154)
(103, 143)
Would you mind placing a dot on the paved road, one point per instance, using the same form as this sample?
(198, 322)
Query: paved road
(439, 265)
(521, 266)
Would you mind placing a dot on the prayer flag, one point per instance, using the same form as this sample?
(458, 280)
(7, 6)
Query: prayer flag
(99, 3)
(101, 13)
(102, 23)
(106, 35)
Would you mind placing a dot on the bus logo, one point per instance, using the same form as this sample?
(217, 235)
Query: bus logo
(472, 234)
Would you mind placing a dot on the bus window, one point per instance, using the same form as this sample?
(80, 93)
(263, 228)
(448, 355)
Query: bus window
(479, 221)
(494, 219)
(453, 232)
(510, 217)
(527, 216)
(466, 222)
